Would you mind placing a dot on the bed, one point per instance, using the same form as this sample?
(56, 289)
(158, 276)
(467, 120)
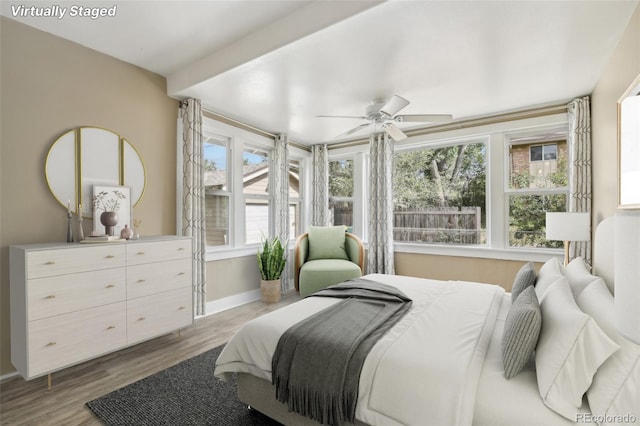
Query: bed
(442, 363)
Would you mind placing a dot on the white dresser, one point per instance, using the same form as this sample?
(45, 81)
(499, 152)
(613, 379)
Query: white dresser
(74, 302)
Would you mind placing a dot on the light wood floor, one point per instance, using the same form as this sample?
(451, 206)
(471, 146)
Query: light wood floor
(30, 403)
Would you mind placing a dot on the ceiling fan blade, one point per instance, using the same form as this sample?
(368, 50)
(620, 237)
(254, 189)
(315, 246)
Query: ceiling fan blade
(395, 133)
(393, 105)
(342, 116)
(352, 131)
(423, 118)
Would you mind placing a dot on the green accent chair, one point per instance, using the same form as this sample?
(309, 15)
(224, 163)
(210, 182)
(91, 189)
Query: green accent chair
(313, 273)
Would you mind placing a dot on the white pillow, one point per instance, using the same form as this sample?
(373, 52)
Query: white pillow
(579, 276)
(616, 386)
(549, 274)
(570, 349)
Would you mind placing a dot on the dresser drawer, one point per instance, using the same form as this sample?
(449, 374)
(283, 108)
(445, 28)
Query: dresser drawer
(67, 339)
(46, 263)
(158, 251)
(158, 314)
(143, 280)
(61, 294)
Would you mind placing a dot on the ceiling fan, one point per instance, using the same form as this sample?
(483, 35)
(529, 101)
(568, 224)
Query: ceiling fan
(384, 112)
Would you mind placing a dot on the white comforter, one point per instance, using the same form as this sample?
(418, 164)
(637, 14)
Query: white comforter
(424, 371)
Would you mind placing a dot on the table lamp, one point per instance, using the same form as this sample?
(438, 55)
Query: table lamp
(568, 227)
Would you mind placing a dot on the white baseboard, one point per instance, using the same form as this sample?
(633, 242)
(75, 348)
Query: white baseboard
(8, 376)
(229, 302)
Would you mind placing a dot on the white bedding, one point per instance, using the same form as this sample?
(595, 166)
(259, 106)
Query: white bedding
(432, 368)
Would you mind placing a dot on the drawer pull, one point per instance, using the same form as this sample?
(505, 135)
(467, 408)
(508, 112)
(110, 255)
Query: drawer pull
(181, 249)
(141, 280)
(110, 286)
(51, 262)
(141, 319)
(51, 296)
(181, 273)
(182, 308)
(111, 327)
(51, 344)
(109, 256)
(140, 253)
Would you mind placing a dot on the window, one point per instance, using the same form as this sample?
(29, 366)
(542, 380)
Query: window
(341, 192)
(237, 180)
(295, 199)
(217, 189)
(440, 194)
(538, 183)
(255, 187)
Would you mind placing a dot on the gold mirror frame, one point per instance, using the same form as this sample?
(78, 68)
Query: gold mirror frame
(86, 156)
(629, 147)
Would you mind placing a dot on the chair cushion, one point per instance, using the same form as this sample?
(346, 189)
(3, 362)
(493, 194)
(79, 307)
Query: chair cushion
(327, 242)
(318, 274)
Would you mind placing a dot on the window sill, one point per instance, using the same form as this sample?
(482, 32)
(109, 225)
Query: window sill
(519, 254)
(229, 252)
(222, 253)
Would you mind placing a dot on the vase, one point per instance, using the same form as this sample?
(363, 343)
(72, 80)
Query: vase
(126, 233)
(270, 290)
(109, 220)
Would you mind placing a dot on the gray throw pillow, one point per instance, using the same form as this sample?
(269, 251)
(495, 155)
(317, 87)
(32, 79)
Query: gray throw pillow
(521, 332)
(525, 277)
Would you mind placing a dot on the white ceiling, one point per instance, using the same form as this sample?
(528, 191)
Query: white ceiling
(277, 64)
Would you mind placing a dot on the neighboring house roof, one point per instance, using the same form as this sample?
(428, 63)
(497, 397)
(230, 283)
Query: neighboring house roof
(217, 178)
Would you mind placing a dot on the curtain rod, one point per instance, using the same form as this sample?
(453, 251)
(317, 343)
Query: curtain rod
(249, 128)
(468, 123)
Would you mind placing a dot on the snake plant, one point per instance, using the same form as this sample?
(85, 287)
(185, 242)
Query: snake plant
(271, 259)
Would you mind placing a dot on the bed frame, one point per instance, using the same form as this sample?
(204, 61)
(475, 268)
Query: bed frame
(259, 394)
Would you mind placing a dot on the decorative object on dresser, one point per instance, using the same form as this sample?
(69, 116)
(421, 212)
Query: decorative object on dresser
(71, 303)
(69, 229)
(126, 233)
(111, 206)
(568, 227)
(271, 261)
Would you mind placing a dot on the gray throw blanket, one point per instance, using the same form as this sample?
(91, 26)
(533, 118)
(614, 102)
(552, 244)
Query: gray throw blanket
(317, 363)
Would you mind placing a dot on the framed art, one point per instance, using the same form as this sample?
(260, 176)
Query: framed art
(110, 200)
(629, 147)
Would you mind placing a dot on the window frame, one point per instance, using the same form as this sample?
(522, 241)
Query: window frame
(238, 139)
(222, 192)
(471, 140)
(497, 170)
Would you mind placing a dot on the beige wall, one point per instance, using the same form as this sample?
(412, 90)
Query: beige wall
(48, 86)
(622, 68)
(232, 276)
(490, 271)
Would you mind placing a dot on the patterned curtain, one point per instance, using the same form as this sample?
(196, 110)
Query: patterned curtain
(380, 254)
(281, 197)
(580, 167)
(193, 223)
(320, 186)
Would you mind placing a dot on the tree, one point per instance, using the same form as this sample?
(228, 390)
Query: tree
(341, 181)
(451, 176)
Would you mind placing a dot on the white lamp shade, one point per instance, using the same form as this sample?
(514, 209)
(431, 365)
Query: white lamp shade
(565, 226)
(627, 275)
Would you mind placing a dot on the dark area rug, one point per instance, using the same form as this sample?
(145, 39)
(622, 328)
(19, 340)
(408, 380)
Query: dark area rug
(185, 394)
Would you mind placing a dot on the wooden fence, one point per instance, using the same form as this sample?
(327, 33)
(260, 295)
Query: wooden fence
(449, 225)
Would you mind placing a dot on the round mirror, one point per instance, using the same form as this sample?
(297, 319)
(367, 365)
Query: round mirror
(88, 156)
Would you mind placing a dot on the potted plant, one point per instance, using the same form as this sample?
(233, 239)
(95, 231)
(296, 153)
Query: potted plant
(271, 261)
